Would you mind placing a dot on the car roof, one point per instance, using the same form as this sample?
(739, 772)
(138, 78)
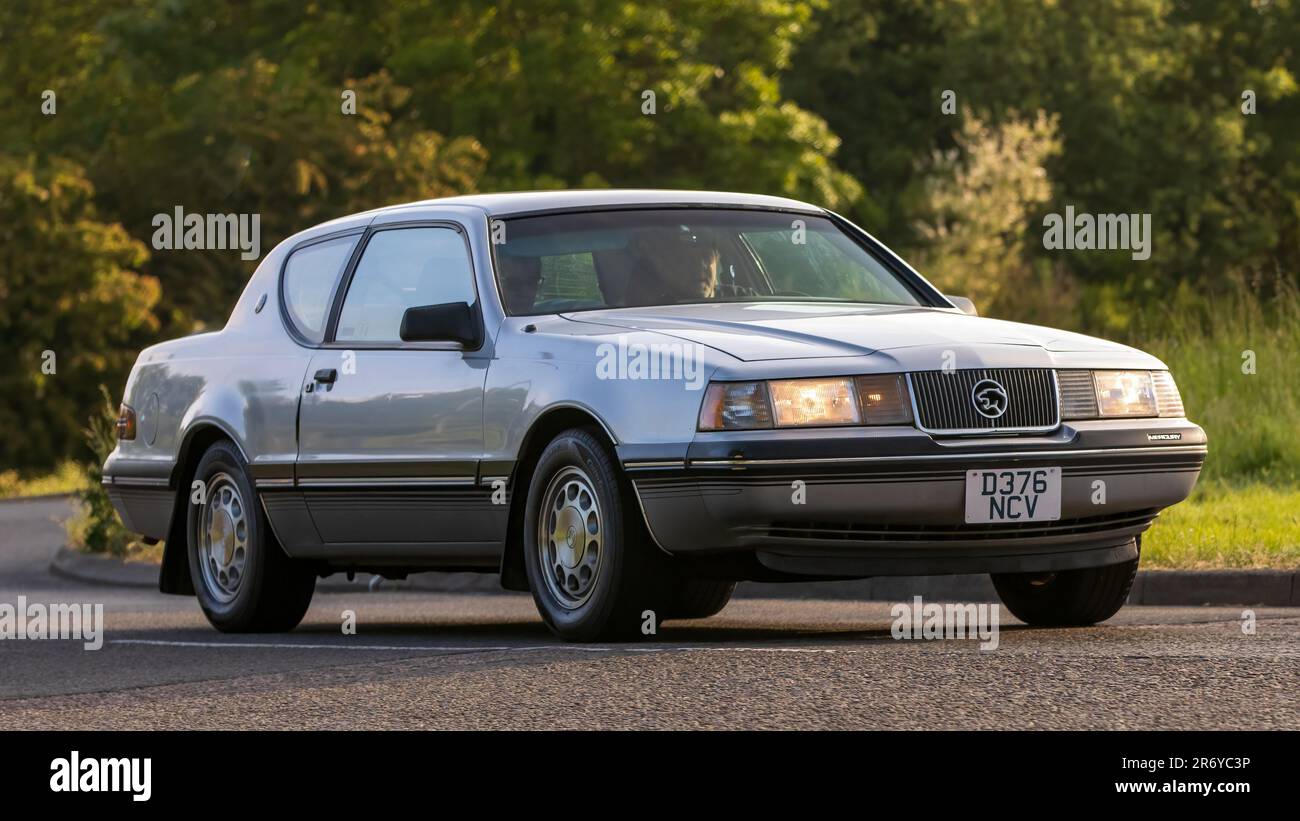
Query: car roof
(522, 202)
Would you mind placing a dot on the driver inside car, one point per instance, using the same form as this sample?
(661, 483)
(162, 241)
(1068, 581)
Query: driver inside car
(674, 267)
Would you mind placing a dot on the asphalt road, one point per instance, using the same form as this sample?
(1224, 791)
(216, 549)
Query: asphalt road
(432, 660)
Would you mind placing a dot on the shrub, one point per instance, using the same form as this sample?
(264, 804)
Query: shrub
(95, 528)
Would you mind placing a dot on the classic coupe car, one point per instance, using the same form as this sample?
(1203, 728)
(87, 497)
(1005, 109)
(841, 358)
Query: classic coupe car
(626, 401)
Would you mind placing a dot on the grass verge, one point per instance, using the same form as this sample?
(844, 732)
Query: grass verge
(1236, 360)
(70, 477)
(1226, 525)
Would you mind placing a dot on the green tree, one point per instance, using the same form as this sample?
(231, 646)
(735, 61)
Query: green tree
(558, 90)
(236, 108)
(1147, 95)
(982, 195)
(73, 309)
(259, 137)
(875, 69)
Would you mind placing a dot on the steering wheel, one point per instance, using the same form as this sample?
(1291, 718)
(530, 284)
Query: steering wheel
(726, 289)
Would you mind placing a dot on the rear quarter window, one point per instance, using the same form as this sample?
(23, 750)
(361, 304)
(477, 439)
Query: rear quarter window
(309, 278)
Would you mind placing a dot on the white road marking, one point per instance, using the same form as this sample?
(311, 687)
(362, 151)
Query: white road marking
(426, 648)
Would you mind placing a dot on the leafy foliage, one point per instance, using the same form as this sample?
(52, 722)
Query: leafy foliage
(985, 192)
(1148, 100)
(73, 309)
(1111, 106)
(95, 528)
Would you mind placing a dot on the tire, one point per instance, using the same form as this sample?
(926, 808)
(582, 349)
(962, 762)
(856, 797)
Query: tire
(1071, 598)
(692, 598)
(605, 584)
(244, 581)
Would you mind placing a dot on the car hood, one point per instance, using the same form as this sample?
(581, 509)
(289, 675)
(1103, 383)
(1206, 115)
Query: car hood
(757, 332)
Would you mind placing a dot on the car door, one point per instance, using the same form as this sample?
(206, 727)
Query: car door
(390, 432)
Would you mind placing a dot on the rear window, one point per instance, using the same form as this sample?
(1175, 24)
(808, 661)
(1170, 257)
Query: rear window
(568, 276)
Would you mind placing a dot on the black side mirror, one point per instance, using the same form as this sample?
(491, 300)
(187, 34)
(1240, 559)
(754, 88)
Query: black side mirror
(448, 322)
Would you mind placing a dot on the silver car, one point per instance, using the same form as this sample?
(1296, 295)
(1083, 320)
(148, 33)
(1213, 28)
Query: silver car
(626, 401)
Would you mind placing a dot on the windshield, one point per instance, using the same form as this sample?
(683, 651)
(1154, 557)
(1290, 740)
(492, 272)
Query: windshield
(618, 259)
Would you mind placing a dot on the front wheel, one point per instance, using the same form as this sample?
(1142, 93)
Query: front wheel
(244, 580)
(1069, 598)
(693, 598)
(593, 573)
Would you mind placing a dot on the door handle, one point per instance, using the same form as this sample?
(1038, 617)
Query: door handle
(326, 375)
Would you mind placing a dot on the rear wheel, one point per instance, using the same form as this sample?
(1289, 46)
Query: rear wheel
(593, 573)
(244, 580)
(1070, 598)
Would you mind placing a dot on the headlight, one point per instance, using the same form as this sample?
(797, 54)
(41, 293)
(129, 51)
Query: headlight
(1125, 393)
(790, 403)
(814, 402)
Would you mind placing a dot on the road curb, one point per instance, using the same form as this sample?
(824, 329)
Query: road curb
(107, 570)
(1261, 588)
(103, 570)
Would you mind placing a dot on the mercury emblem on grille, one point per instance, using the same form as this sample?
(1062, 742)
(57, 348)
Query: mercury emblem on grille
(990, 398)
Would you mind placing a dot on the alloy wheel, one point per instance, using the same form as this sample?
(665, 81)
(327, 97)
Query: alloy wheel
(570, 537)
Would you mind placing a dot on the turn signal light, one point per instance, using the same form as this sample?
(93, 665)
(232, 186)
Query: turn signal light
(126, 422)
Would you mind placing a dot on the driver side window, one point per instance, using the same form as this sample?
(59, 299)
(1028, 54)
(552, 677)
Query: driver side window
(404, 268)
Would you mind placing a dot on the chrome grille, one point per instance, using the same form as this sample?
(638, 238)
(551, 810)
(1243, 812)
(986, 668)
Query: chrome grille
(944, 404)
(1078, 394)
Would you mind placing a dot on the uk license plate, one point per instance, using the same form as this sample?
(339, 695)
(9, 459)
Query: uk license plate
(1013, 495)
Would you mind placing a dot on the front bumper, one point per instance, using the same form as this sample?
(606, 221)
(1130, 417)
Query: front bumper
(890, 501)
